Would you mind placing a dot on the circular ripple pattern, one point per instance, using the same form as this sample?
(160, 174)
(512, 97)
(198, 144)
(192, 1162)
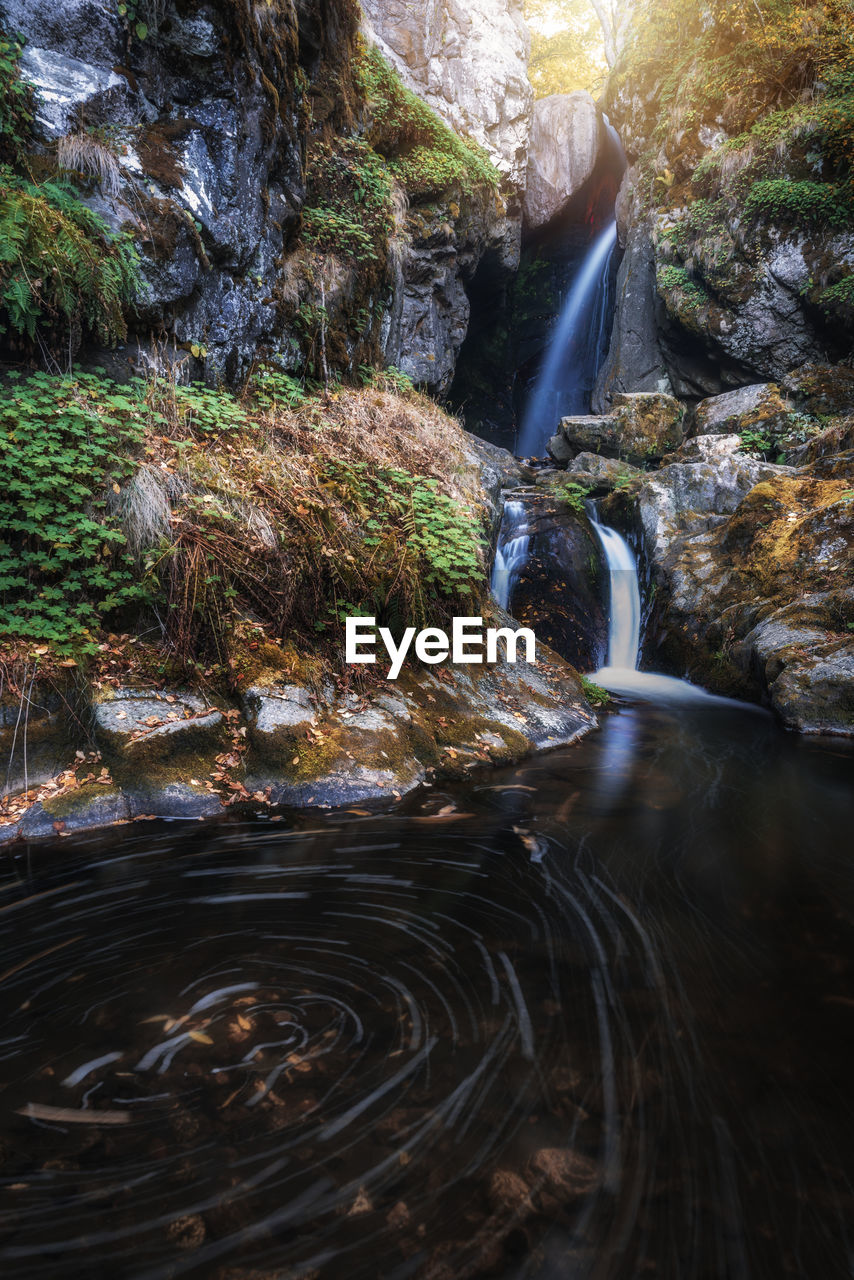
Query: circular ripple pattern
(209, 1061)
(590, 1018)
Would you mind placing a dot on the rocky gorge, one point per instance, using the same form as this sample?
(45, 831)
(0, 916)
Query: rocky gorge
(317, 195)
(314, 319)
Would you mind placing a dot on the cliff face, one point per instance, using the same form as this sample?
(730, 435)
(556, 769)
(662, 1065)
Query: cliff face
(470, 62)
(737, 212)
(290, 201)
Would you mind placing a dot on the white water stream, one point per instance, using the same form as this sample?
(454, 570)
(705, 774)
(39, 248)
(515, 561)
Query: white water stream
(572, 360)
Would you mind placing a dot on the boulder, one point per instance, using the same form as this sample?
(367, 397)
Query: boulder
(601, 474)
(562, 591)
(821, 389)
(757, 603)
(566, 134)
(759, 407)
(690, 497)
(641, 428)
(133, 726)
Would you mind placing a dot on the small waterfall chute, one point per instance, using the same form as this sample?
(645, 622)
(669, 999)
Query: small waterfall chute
(511, 555)
(625, 607)
(565, 382)
(621, 674)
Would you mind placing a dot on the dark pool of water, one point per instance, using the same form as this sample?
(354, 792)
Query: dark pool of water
(592, 1017)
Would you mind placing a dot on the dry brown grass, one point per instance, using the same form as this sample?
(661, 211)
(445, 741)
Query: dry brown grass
(268, 523)
(83, 153)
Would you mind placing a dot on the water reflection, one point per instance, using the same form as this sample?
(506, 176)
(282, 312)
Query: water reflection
(590, 1017)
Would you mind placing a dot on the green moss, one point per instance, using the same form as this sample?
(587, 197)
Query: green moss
(799, 204)
(425, 156)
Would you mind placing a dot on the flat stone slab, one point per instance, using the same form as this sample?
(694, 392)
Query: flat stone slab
(136, 722)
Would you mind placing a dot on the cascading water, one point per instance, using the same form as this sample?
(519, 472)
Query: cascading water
(621, 675)
(566, 380)
(624, 617)
(512, 553)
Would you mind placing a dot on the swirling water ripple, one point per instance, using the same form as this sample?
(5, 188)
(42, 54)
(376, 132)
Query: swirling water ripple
(530, 1027)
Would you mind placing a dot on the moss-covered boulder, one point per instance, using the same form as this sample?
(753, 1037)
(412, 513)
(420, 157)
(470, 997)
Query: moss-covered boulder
(641, 428)
(760, 408)
(760, 605)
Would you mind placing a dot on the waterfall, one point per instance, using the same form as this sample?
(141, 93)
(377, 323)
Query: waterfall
(624, 618)
(621, 674)
(575, 352)
(512, 553)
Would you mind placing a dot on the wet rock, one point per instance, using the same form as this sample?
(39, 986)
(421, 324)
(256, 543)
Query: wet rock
(566, 134)
(87, 809)
(561, 593)
(171, 800)
(635, 359)
(497, 470)
(760, 407)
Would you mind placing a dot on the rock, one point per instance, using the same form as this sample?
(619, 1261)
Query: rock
(470, 63)
(599, 473)
(429, 318)
(635, 359)
(711, 448)
(588, 433)
(566, 134)
(76, 27)
(509, 1193)
(814, 692)
(68, 86)
(560, 450)
(133, 725)
(642, 427)
(562, 591)
(692, 497)
(649, 424)
(758, 605)
(170, 800)
(276, 717)
(821, 389)
(759, 407)
(87, 809)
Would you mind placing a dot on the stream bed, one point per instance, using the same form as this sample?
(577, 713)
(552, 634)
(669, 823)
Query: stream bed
(589, 1017)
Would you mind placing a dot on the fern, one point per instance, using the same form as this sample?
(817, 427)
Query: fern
(60, 262)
